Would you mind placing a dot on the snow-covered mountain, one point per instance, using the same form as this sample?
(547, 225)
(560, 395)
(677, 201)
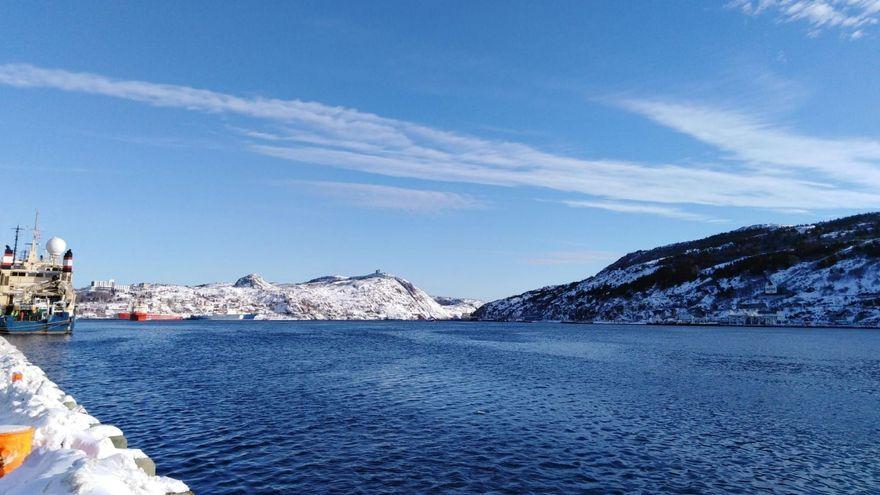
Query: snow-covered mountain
(827, 273)
(371, 297)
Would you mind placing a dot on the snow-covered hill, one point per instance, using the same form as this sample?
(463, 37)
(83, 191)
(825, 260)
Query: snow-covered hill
(827, 273)
(371, 297)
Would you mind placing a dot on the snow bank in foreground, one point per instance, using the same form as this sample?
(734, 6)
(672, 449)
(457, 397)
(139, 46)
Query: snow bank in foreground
(73, 453)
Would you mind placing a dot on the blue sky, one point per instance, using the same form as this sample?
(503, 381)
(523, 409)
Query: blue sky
(476, 148)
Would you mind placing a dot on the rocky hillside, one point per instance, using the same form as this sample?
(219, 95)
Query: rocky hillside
(371, 297)
(827, 273)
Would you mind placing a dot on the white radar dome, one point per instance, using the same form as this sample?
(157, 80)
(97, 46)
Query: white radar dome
(56, 246)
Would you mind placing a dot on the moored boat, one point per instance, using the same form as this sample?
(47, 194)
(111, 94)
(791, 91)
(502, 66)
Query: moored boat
(145, 316)
(36, 290)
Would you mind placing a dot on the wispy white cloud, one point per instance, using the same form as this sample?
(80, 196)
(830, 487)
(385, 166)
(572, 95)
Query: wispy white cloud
(850, 16)
(313, 133)
(587, 257)
(765, 147)
(390, 198)
(66, 170)
(649, 209)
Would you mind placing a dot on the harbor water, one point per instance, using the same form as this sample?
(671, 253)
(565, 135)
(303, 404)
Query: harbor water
(234, 407)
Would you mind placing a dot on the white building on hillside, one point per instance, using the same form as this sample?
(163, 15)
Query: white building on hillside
(108, 286)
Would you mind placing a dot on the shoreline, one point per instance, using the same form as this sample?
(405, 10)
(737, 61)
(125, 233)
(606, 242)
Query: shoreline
(73, 452)
(706, 325)
(464, 320)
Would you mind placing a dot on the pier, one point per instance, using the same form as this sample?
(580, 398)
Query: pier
(60, 448)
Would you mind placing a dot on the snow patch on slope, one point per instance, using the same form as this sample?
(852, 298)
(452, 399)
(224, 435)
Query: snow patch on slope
(824, 274)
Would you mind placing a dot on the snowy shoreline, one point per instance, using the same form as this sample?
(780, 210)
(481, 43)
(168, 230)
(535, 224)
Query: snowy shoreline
(73, 453)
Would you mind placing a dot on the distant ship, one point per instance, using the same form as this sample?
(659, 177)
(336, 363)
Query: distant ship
(226, 317)
(36, 291)
(144, 316)
(138, 313)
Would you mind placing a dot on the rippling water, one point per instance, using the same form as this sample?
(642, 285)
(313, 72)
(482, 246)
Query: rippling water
(265, 407)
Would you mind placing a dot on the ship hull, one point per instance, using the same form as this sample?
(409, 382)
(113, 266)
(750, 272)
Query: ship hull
(246, 316)
(142, 316)
(54, 325)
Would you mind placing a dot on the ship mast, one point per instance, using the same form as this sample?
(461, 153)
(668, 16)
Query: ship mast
(33, 252)
(17, 230)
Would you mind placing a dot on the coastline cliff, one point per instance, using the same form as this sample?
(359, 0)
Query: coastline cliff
(826, 273)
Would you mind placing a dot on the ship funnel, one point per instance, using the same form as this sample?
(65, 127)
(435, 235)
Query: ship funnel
(8, 258)
(68, 262)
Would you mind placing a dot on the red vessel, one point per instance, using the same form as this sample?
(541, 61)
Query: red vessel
(144, 316)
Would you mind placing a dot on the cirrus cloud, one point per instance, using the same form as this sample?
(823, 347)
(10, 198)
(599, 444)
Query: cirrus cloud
(389, 198)
(849, 16)
(318, 134)
(659, 210)
(763, 146)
